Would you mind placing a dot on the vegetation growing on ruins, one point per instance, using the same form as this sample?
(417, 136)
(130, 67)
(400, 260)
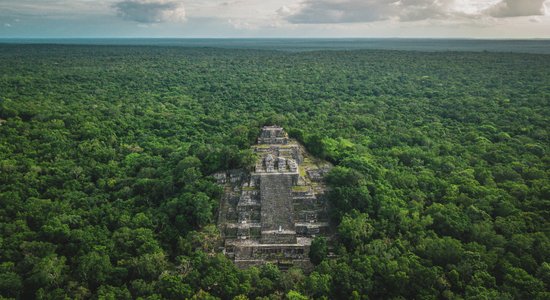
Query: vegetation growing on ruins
(441, 186)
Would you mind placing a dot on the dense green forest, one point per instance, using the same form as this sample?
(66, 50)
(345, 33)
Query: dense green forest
(441, 187)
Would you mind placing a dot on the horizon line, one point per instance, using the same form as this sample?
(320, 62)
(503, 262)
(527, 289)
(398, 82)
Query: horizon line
(272, 38)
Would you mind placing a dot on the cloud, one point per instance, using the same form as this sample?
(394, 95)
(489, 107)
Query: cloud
(151, 11)
(416, 10)
(517, 8)
(284, 11)
(356, 11)
(241, 24)
(347, 11)
(362, 11)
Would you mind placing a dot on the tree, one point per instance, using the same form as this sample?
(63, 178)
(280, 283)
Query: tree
(49, 272)
(522, 285)
(10, 281)
(318, 250)
(294, 295)
(174, 287)
(441, 251)
(355, 230)
(95, 268)
(318, 285)
(448, 219)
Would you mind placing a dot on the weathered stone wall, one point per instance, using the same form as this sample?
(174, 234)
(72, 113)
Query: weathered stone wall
(278, 237)
(276, 201)
(273, 135)
(273, 213)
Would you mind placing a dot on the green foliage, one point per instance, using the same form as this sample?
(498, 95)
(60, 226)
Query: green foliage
(294, 295)
(174, 287)
(317, 285)
(10, 281)
(440, 188)
(355, 230)
(318, 250)
(95, 268)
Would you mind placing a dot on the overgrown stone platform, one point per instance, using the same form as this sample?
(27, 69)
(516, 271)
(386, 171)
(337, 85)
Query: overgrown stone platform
(273, 213)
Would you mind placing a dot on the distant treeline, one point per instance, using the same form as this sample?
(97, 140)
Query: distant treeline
(540, 46)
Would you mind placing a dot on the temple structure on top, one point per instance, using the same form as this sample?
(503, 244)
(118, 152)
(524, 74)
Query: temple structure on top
(273, 135)
(273, 213)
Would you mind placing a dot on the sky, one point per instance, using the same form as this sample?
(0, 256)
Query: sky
(275, 18)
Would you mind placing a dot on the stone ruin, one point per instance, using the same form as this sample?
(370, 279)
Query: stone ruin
(273, 213)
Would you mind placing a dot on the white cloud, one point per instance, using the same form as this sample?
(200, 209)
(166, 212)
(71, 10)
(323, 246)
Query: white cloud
(243, 15)
(415, 10)
(151, 11)
(362, 11)
(346, 11)
(517, 8)
(284, 11)
(241, 24)
(277, 18)
(357, 11)
(55, 8)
